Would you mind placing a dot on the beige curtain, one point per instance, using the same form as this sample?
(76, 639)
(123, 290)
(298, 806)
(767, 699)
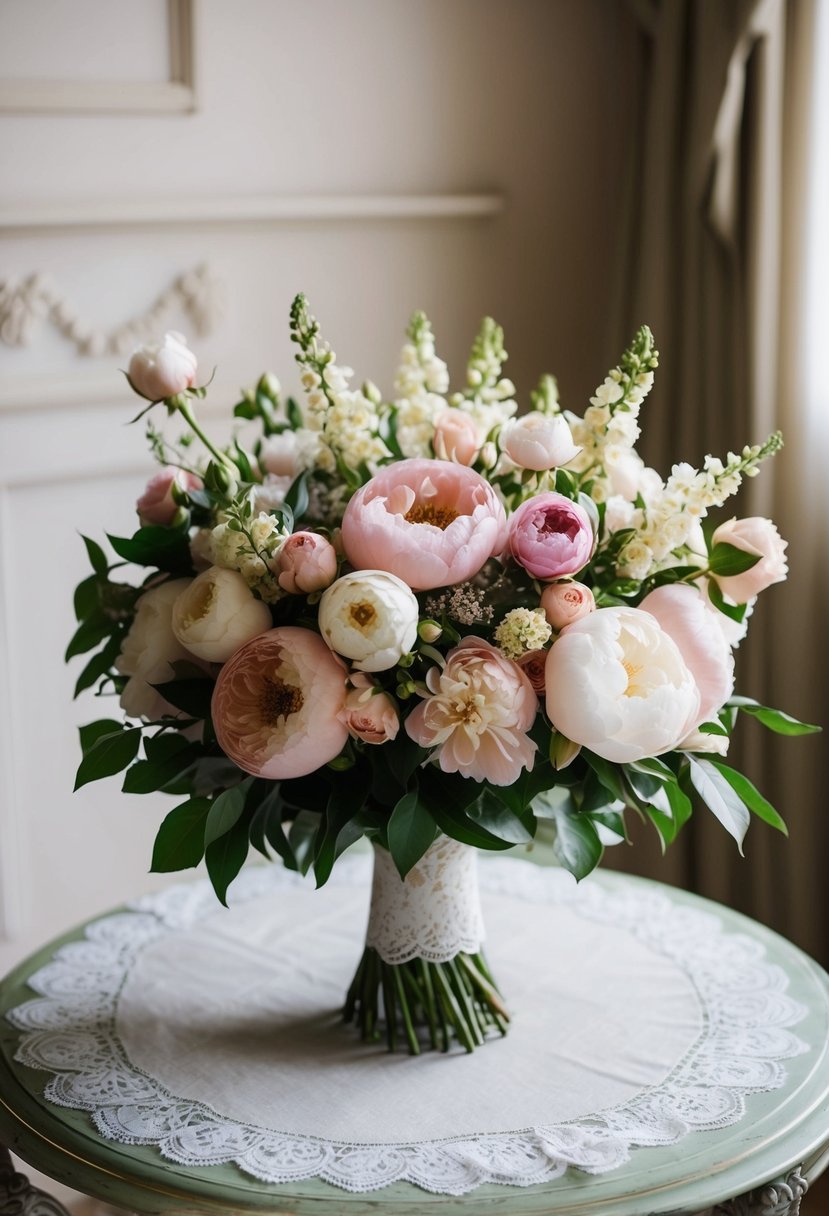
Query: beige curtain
(714, 198)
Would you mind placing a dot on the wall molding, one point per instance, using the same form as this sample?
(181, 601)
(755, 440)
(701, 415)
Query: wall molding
(244, 209)
(27, 303)
(176, 95)
(13, 913)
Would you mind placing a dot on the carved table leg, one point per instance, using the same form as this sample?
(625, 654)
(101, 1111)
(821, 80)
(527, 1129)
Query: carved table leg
(17, 1195)
(779, 1198)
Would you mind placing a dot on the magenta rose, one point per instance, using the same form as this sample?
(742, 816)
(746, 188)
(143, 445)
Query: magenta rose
(431, 522)
(551, 536)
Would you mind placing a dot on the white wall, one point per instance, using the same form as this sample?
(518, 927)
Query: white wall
(509, 117)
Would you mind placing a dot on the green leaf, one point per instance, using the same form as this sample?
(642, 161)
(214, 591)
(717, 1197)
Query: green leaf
(99, 664)
(180, 840)
(752, 797)
(109, 755)
(727, 560)
(146, 776)
(565, 483)
(650, 790)
(457, 824)
(301, 835)
(89, 634)
(576, 845)
(166, 549)
(773, 719)
(296, 498)
(96, 555)
(266, 823)
(225, 812)
(192, 697)
(85, 599)
(720, 798)
(654, 767)
(607, 773)
(491, 813)
(334, 837)
(411, 830)
(294, 414)
(225, 858)
(93, 731)
(735, 612)
(681, 807)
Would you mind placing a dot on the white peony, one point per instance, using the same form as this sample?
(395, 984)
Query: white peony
(539, 441)
(148, 650)
(617, 684)
(370, 616)
(217, 613)
(162, 369)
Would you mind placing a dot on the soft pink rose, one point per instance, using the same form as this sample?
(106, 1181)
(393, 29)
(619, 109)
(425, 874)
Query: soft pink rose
(369, 714)
(431, 522)
(533, 664)
(480, 708)
(307, 562)
(551, 536)
(277, 454)
(278, 704)
(758, 536)
(162, 369)
(456, 437)
(683, 614)
(564, 603)
(539, 441)
(157, 505)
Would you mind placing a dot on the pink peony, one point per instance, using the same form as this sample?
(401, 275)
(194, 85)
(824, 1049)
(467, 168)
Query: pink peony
(760, 537)
(370, 714)
(551, 536)
(307, 562)
(456, 437)
(683, 614)
(162, 369)
(157, 505)
(278, 704)
(480, 708)
(430, 522)
(564, 603)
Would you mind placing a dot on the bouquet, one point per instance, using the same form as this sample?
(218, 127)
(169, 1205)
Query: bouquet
(429, 621)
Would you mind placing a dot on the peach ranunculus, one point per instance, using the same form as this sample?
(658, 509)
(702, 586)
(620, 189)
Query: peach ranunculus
(760, 537)
(478, 714)
(683, 614)
(551, 536)
(157, 505)
(564, 603)
(456, 437)
(307, 562)
(533, 663)
(278, 704)
(162, 369)
(370, 714)
(618, 685)
(431, 522)
(538, 441)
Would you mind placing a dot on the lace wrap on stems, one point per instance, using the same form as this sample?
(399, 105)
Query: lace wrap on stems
(435, 914)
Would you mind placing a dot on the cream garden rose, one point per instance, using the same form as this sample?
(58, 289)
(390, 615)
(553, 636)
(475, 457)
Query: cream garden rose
(217, 613)
(370, 617)
(617, 684)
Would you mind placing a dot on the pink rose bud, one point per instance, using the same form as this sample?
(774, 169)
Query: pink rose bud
(564, 603)
(760, 537)
(307, 562)
(456, 437)
(157, 505)
(539, 441)
(163, 369)
(533, 664)
(278, 454)
(371, 716)
(551, 536)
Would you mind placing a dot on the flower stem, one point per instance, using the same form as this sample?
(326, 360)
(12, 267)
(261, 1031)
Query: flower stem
(189, 417)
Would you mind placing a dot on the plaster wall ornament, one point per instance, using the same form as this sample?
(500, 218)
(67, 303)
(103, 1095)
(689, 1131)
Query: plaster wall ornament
(26, 304)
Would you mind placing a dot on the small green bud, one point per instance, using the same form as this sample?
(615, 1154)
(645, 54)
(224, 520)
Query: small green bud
(181, 517)
(429, 631)
(341, 763)
(562, 751)
(219, 479)
(373, 393)
(269, 386)
(406, 660)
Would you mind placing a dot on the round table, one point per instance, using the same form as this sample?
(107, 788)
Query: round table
(761, 1164)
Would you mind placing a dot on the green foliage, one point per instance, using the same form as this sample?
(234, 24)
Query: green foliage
(411, 830)
(773, 719)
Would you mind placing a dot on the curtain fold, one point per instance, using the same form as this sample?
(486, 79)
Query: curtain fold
(716, 185)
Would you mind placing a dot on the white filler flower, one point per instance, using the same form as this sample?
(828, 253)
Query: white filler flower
(617, 684)
(369, 616)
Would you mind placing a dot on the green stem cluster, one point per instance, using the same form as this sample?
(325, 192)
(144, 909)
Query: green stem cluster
(422, 1004)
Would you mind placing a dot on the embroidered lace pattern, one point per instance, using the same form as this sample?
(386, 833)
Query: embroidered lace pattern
(69, 1030)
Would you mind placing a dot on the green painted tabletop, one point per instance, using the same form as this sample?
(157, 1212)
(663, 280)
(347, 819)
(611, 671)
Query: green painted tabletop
(780, 1130)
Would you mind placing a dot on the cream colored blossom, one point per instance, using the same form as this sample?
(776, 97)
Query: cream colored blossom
(522, 629)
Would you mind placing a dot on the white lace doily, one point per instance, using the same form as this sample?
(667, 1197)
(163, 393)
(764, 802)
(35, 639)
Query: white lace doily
(214, 1035)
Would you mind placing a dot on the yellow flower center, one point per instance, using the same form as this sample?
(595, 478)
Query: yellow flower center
(362, 615)
(278, 700)
(632, 670)
(429, 513)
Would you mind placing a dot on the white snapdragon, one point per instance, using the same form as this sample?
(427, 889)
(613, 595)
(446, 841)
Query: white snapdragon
(251, 552)
(420, 384)
(370, 617)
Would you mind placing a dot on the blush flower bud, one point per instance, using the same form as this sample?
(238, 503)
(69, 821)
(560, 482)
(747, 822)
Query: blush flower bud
(539, 441)
(307, 562)
(564, 603)
(163, 369)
